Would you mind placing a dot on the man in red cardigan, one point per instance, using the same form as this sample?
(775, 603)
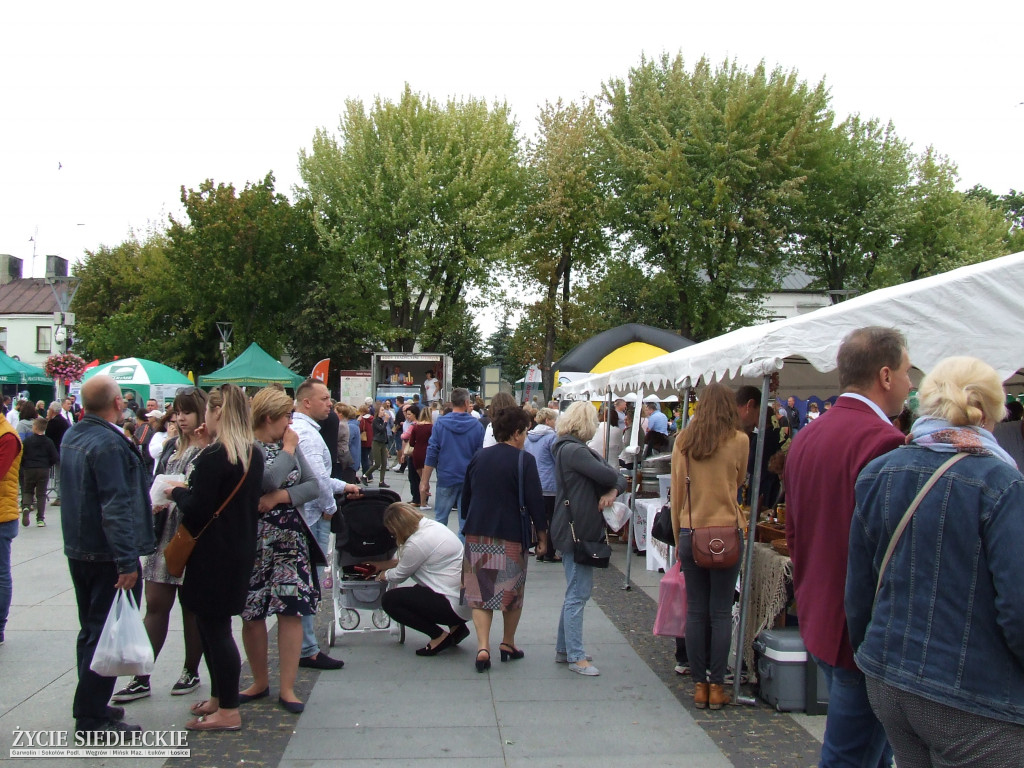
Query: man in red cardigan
(821, 470)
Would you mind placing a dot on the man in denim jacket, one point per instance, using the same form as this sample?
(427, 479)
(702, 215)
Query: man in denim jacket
(107, 523)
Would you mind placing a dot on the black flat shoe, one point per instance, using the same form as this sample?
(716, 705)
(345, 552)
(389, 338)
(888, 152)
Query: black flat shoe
(510, 652)
(443, 645)
(482, 665)
(245, 698)
(295, 707)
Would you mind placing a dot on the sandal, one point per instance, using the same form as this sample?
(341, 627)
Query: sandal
(198, 710)
(202, 724)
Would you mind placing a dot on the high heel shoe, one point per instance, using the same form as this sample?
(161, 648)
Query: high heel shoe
(482, 665)
(510, 652)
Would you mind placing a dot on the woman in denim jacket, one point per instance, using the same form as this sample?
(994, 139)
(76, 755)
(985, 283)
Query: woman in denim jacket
(942, 644)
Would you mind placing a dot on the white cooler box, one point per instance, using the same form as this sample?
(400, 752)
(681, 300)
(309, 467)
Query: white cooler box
(782, 667)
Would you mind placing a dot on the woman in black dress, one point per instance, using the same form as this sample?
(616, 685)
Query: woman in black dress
(216, 580)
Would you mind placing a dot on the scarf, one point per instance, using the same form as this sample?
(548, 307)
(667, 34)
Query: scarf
(939, 435)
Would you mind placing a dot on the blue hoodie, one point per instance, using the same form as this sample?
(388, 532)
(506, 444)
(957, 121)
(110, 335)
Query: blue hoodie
(455, 438)
(538, 445)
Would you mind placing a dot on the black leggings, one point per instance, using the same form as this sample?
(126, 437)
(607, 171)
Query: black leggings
(420, 608)
(222, 658)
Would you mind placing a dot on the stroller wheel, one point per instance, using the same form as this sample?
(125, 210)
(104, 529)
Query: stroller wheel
(349, 619)
(380, 619)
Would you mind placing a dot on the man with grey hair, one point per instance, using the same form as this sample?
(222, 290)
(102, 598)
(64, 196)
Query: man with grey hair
(821, 471)
(456, 437)
(107, 524)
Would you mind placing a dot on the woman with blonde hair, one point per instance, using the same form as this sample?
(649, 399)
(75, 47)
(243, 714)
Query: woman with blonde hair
(586, 485)
(283, 580)
(933, 601)
(709, 464)
(227, 477)
(430, 554)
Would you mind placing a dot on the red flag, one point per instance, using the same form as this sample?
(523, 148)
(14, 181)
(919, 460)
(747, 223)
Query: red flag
(320, 370)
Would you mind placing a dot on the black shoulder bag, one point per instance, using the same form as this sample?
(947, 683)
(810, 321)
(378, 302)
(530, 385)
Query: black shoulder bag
(596, 554)
(529, 535)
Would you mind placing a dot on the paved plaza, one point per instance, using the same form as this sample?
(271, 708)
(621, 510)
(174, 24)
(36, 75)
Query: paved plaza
(390, 708)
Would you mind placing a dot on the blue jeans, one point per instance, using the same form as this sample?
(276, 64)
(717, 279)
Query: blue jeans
(853, 735)
(446, 497)
(8, 531)
(310, 647)
(579, 583)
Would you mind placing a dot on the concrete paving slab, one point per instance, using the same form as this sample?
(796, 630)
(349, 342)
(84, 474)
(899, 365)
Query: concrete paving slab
(421, 744)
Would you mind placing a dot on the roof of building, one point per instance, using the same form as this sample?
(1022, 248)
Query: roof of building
(28, 296)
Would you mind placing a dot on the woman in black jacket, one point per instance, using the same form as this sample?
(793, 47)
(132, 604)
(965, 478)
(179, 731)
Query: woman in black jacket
(497, 531)
(216, 578)
(586, 484)
(381, 424)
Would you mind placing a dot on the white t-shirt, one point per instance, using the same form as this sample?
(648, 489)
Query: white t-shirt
(431, 390)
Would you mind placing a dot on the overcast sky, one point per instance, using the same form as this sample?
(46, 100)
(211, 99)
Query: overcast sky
(109, 108)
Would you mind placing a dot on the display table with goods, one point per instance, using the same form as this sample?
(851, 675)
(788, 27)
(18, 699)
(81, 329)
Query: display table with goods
(643, 519)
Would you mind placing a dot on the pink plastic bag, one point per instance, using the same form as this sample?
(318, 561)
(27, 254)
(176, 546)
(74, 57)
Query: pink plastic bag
(671, 618)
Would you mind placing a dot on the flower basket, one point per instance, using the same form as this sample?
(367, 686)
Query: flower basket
(66, 367)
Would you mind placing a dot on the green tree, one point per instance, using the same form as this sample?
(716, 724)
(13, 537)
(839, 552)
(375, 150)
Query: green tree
(941, 228)
(121, 305)
(706, 169)
(1012, 206)
(456, 333)
(421, 197)
(244, 258)
(852, 204)
(565, 232)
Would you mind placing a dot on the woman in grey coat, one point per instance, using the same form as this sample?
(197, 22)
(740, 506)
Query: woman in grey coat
(586, 484)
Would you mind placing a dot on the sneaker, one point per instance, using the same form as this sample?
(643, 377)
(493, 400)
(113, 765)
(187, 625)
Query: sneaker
(25, 512)
(590, 670)
(136, 689)
(682, 669)
(186, 683)
(425, 507)
(40, 523)
(1, 637)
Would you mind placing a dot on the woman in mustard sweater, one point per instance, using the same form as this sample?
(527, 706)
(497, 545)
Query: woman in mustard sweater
(717, 451)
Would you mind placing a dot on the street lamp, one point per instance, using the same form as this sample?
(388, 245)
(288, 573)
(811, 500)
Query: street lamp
(225, 329)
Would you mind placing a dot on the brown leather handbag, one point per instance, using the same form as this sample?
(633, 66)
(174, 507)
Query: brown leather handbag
(179, 548)
(714, 546)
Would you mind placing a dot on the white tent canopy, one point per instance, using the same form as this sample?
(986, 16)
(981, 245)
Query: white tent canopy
(976, 310)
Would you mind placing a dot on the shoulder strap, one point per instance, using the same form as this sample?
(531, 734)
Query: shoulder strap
(568, 509)
(230, 496)
(522, 494)
(689, 506)
(905, 520)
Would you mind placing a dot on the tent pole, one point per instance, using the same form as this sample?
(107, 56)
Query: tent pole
(755, 490)
(671, 553)
(607, 424)
(634, 440)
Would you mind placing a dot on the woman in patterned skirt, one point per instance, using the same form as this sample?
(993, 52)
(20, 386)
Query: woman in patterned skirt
(497, 530)
(283, 577)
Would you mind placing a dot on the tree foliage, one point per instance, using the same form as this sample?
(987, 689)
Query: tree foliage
(420, 196)
(243, 258)
(456, 333)
(706, 168)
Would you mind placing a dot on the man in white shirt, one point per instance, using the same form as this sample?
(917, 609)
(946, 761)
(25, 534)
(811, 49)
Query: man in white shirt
(66, 410)
(312, 404)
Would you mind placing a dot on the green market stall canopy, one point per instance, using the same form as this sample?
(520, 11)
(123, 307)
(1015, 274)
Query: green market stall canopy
(253, 368)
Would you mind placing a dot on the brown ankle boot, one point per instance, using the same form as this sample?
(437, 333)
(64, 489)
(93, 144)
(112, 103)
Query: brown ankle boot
(717, 698)
(700, 695)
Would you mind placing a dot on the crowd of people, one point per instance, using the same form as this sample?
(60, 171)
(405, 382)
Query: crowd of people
(888, 535)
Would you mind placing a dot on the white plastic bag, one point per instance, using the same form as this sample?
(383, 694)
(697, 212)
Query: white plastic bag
(616, 515)
(124, 647)
(157, 497)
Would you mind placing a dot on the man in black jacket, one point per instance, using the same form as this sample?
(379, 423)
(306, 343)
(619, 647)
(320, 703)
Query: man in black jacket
(38, 455)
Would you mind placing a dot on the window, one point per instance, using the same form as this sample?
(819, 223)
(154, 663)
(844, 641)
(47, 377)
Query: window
(43, 333)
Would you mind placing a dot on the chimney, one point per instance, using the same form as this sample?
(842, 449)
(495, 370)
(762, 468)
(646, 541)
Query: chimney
(10, 268)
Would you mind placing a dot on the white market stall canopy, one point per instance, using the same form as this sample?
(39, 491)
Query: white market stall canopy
(975, 310)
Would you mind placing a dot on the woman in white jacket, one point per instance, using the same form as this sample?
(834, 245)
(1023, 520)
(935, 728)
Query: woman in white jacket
(615, 445)
(431, 555)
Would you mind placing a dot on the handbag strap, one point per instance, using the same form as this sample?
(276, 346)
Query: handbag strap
(689, 507)
(565, 490)
(905, 520)
(228, 499)
(523, 514)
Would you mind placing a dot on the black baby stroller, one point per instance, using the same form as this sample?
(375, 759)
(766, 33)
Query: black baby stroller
(360, 537)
